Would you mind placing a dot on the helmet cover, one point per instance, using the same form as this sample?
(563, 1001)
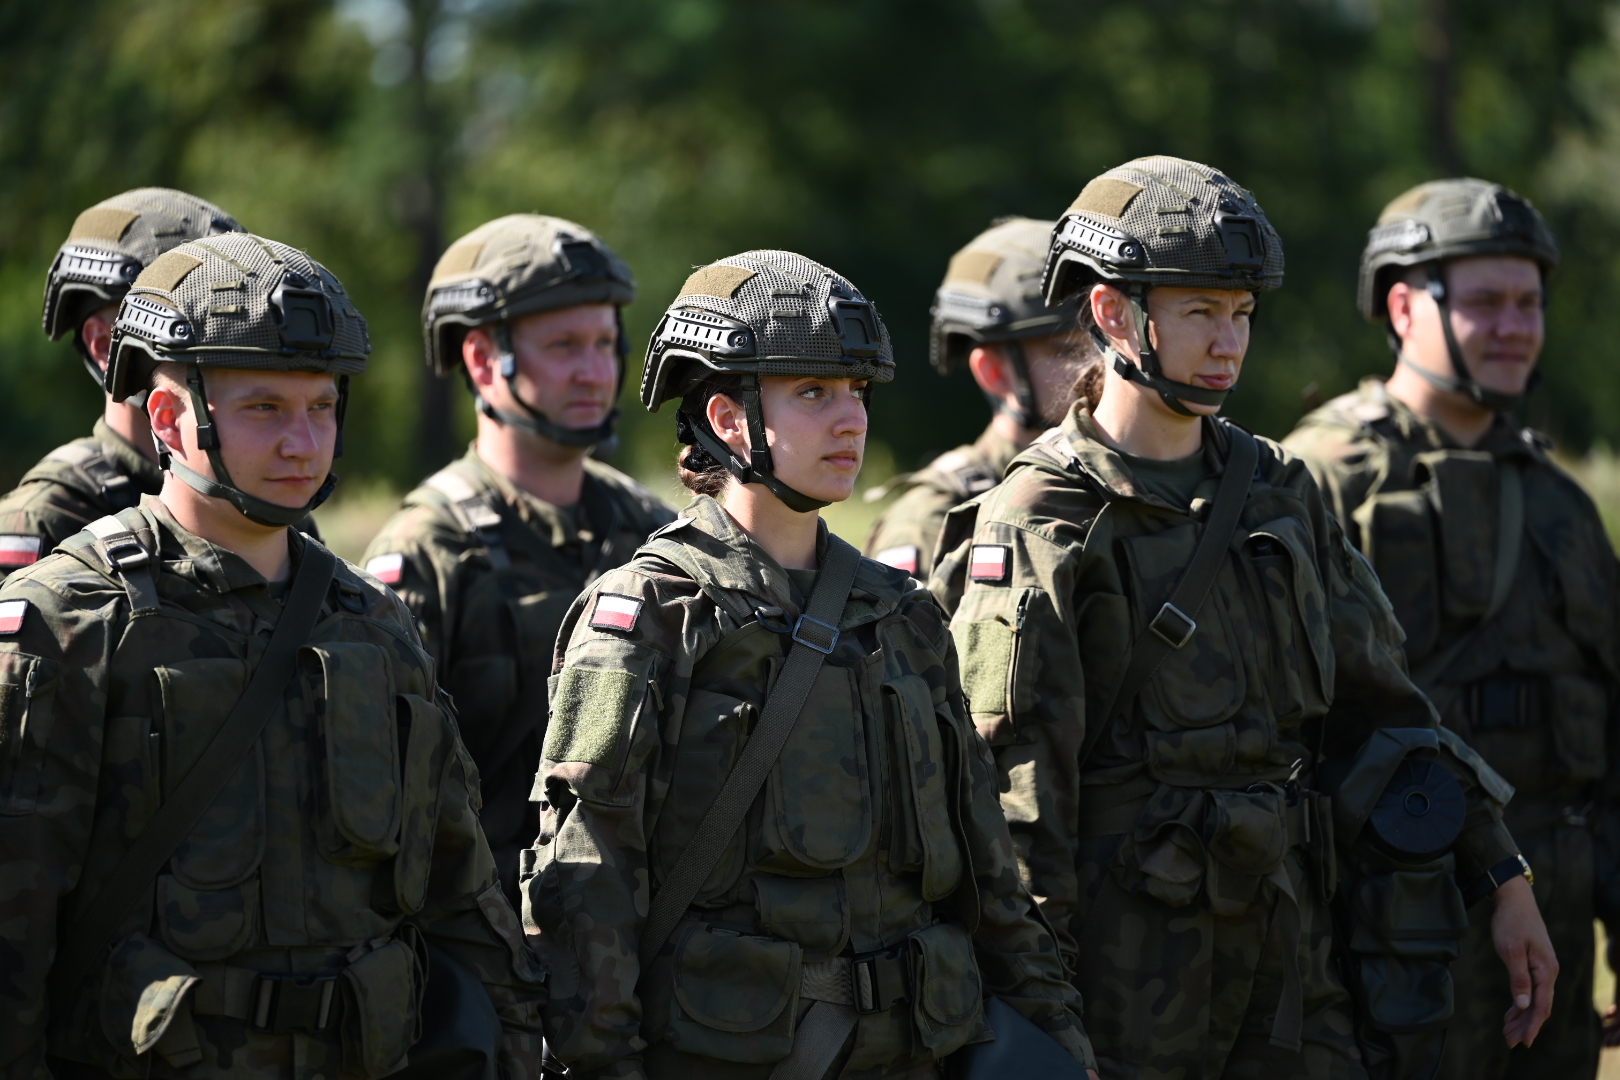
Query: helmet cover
(1449, 219)
(516, 265)
(991, 293)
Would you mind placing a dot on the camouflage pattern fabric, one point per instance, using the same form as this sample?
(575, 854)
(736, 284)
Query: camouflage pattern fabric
(905, 535)
(1534, 691)
(878, 827)
(1174, 867)
(72, 486)
(350, 831)
(492, 628)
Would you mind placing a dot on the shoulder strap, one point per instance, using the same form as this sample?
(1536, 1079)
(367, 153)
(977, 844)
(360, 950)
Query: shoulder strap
(86, 937)
(814, 637)
(676, 552)
(475, 511)
(119, 544)
(1509, 543)
(97, 476)
(1175, 623)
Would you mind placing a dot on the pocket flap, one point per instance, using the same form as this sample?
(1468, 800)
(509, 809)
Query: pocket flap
(144, 988)
(947, 974)
(1246, 830)
(354, 697)
(734, 982)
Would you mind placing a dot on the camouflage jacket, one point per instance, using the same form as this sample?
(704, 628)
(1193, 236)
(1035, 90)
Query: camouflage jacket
(488, 571)
(906, 534)
(1534, 688)
(69, 488)
(1295, 657)
(349, 832)
(878, 827)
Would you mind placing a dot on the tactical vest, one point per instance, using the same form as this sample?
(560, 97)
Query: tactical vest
(850, 881)
(323, 838)
(83, 467)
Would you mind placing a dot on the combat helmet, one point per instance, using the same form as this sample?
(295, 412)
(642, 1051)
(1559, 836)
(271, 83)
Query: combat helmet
(760, 313)
(110, 244)
(1441, 220)
(236, 301)
(992, 294)
(517, 265)
(1162, 221)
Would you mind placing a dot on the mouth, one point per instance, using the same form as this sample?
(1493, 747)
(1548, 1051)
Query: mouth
(843, 460)
(1222, 381)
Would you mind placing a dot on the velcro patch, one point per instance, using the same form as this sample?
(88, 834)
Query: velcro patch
(18, 549)
(589, 710)
(615, 612)
(12, 613)
(989, 562)
(388, 569)
(903, 557)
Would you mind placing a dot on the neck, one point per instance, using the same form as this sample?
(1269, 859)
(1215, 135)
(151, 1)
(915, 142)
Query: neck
(223, 525)
(1133, 420)
(533, 463)
(787, 536)
(1011, 430)
(1463, 420)
(131, 423)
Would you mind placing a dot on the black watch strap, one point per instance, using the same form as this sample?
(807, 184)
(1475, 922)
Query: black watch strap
(1497, 876)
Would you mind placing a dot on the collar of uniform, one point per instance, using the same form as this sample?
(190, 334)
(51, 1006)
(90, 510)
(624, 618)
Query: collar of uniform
(1108, 468)
(206, 564)
(541, 516)
(1504, 438)
(128, 459)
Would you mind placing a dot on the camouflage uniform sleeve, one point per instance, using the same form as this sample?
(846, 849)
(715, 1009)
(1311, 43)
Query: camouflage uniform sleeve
(1016, 948)
(416, 556)
(52, 705)
(46, 513)
(600, 790)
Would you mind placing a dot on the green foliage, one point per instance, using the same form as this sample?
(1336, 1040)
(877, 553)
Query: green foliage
(876, 136)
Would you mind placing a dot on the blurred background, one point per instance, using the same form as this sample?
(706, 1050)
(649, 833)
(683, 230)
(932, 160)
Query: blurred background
(876, 136)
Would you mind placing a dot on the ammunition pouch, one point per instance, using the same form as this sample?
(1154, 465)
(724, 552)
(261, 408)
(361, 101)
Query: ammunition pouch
(1398, 916)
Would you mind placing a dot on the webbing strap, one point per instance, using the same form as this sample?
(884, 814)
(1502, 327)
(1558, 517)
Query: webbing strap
(770, 735)
(85, 938)
(1175, 623)
(121, 549)
(476, 513)
(820, 1036)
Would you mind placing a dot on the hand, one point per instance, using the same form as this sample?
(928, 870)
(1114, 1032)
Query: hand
(1521, 940)
(1092, 1073)
(1611, 1026)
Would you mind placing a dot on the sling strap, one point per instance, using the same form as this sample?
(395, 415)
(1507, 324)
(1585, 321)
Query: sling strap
(86, 937)
(476, 513)
(814, 637)
(1175, 624)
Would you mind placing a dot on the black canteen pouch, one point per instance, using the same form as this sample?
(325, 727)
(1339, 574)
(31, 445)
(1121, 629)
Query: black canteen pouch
(1398, 915)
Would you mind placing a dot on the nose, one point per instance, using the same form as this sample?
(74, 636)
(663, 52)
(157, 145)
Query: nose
(601, 367)
(850, 420)
(1519, 322)
(301, 439)
(1231, 338)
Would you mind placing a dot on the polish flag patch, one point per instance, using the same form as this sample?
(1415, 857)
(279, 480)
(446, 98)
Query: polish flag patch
(989, 562)
(903, 557)
(12, 613)
(18, 550)
(388, 569)
(615, 612)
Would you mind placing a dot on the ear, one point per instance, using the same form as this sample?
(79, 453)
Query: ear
(1400, 309)
(991, 370)
(1114, 317)
(164, 408)
(481, 355)
(96, 333)
(730, 423)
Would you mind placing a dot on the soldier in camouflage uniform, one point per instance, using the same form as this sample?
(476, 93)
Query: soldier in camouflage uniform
(874, 872)
(989, 316)
(288, 934)
(111, 469)
(1498, 568)
(489, 552)
(1170, 831)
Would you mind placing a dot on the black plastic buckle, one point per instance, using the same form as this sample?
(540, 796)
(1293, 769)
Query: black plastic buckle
(283, 1004)
(1173, 626)
(798, 629)
(881, 980)
(127, 553)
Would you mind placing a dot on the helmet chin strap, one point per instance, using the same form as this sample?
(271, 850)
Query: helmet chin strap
(257, 510)
(758, 469)
(1459, 382)
(1149, 374)
(1027, 413)
(531, 419)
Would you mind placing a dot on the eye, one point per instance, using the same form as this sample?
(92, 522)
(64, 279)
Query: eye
(864, 391)
(814, 391)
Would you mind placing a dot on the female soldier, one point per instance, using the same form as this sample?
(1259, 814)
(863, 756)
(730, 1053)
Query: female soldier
(1164, 638)
(871, 898)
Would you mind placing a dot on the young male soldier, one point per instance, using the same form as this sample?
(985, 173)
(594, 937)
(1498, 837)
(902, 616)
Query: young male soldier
(489, 552)
(110, 470)
(238, 816)
(1498, 568)
(988, 314)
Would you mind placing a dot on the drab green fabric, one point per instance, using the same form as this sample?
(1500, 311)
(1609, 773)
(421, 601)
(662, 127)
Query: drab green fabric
(588, 712)
(987, 649)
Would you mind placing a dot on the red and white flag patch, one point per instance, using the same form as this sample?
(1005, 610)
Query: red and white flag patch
(18, 549)
(989, 562)
(388, 569)
(615, 612)
(903, 557)
(12, 613)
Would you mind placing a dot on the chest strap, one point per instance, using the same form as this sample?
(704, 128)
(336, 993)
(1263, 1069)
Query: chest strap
(121, 549)
(476, 512)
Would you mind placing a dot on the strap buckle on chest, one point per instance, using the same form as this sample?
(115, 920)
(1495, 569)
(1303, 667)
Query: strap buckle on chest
(283, 1004)
(1173, 626)
(817, 637)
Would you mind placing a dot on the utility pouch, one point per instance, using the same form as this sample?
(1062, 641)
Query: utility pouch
(1246, 835)
(736, 995)
(383, 1015)
(143, 1002)
(947, 997)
